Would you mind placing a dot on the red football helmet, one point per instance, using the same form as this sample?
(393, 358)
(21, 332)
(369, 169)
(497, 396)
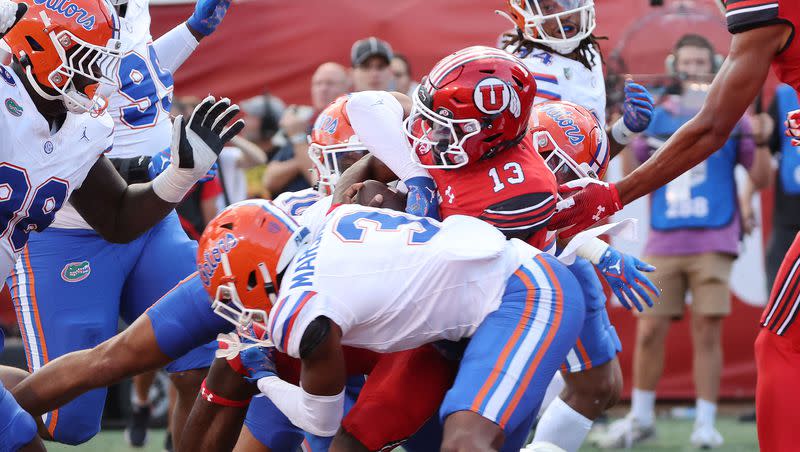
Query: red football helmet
(239, 257)
(333, 145)
(570, 139)
(473, 104)
(70, 42)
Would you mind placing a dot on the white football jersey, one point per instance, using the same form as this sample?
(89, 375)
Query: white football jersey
(40, 170)
(140, 107)
(560, 78)
(296, 202)
(393, 281)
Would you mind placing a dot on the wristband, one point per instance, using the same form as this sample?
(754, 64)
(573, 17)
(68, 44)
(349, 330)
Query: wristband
(592, 250)
(210, 397)
(172, 185)
(621, 133)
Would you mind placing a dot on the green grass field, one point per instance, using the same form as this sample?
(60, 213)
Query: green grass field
(673, 435)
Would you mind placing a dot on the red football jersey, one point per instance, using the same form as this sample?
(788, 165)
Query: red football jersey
(513, 191)
(743, 15)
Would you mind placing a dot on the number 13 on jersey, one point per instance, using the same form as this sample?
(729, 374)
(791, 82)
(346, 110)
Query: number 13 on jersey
(512, 173)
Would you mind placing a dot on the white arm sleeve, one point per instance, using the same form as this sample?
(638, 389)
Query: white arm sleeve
(174, 47)
(318, 415)
(377, 119)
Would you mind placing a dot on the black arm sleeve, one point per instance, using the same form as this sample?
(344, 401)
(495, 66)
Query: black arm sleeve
(315, 333)
(133, 169)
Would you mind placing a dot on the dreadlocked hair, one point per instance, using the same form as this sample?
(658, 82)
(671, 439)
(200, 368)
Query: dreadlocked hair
(522, 47)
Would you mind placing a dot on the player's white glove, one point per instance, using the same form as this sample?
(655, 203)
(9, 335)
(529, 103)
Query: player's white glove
(10, 14)
(196, 146)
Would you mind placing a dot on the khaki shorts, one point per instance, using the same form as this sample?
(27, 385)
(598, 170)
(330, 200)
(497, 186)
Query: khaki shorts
(705, 275)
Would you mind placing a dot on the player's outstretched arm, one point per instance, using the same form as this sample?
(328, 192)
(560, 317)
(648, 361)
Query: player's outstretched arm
(121, 212)
(317, 405)
(733, 90)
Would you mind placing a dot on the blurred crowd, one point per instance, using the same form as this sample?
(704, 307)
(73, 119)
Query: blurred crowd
(271, 156)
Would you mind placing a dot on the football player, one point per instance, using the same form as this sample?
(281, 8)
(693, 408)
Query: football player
(137, 350)
(398, 264)
(497, 182)
(555, 40)
(84, 283)
(56, 131)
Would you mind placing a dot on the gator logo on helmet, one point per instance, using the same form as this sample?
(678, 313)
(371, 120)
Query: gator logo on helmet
(213, 257)
(76, 271)
(326, 124)
(493, 96)
(564, 120)
(70, 11)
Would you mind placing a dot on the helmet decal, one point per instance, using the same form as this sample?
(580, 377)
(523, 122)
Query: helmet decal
(326, 124)
(70, 10)
(564, 119)
(492, 95)
(213, 257)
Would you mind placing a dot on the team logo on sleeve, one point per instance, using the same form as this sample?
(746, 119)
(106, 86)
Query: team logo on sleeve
(6, 76)
(493, 96)
(13, 107)
(76, 271)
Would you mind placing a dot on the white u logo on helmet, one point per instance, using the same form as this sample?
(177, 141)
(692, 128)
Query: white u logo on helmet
(493, 96)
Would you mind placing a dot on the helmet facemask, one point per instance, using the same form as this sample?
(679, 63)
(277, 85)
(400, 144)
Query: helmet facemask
(79, 59)
(537, 14)
(563, 167)
(332, 160)
(434, 132)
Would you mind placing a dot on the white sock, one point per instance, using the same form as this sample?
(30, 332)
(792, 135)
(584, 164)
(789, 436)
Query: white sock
(706, 412)
(553, 390)
(643, 406)
(562, 426)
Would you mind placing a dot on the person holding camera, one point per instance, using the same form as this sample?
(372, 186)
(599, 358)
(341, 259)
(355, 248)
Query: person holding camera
(695, 228)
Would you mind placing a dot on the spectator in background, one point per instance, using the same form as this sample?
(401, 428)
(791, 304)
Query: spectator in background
(233, 161)
(693, 241)
(371, 58)
(786, 218)
(403, 79)
(289, 168)
(262, 114)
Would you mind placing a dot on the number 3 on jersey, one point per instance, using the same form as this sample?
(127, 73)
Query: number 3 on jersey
(513, 175)
(142, 84)
(353, 227)
(18, 216)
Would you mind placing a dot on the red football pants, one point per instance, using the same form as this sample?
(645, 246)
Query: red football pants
(777, 392)
(402, 392)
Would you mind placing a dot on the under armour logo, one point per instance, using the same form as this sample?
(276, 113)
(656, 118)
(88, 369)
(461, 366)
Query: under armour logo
(599, 214)
(450, 195)
(84, 137)
(206, 394)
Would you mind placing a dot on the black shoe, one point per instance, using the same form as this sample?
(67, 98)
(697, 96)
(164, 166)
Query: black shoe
(168, 442)
(136, 431)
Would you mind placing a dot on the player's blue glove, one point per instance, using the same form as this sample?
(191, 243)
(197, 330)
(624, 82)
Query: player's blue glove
(160, 162)
(208, 14)
(422, 201)
(637, 108)
(624, 274)
(258, 363)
